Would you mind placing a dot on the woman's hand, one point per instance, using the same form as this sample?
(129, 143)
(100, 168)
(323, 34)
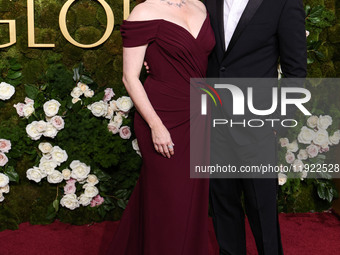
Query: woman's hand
(162, 140)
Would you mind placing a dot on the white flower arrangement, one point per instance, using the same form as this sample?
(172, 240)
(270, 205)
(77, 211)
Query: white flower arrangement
(5, 147)
(6, 91)
(80, 90)
(36, 129)
(311, 141)
(136, 147)
(115, 111)
(54, 156)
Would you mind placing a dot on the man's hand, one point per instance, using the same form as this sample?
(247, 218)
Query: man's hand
(146, 67)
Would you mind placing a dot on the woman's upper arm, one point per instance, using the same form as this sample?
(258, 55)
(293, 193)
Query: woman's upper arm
(133, 58)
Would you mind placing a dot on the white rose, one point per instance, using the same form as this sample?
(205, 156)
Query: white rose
(5, 189)
(92, 179)
(47, 165)
(6, 91)
(135, 145)
(66, 174)
(321, 138)
(80, 171)
(32, 132)
(2, 198)
(290, 157)
(51, 108)
(293, 147)
(59, 155)
(124, 103)
(41, 126)
(306, 135)
(312, 150)
(51, 131)
(4, 180)
(335, 138)
(83, 87)
(75, 100)
(45, 147)
(47, 156)
(312, 121)
(84, 200)
(109, 114)
(304, 174)
(298, 165)
(55, 177)
(58, 122)
(324, 122)
(34, 174)
(76, 92)
(113, 105)
(284, 142)
(70, 201)
(3, 159)
(99, 108)
(282, 178)
(91, 191)
(303, 155)
(89, 93)
(118, 119)
(28, 110)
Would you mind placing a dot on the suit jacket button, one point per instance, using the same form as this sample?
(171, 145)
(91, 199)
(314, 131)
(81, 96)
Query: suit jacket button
(222, 69)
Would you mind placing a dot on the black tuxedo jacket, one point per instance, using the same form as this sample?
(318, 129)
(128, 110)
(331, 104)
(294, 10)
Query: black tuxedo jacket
(268, 31)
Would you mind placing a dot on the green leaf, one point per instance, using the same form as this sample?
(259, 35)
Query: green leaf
(321, 190)
(122, 204)
(76, 75)
(85, 79)
(51, 212)
(13, 75)
(55, 205)
(31, 91)
(12, 174)
(16, 67)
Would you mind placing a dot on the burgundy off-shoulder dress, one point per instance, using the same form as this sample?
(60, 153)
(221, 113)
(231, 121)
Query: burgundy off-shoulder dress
(167, 213)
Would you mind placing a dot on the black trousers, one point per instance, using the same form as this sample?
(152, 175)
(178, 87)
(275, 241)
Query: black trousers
(260, 197)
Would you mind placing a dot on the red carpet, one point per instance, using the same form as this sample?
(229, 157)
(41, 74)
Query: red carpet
(302, 234)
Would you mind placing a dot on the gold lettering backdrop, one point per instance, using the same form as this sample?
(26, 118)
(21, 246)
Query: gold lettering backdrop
(63, 25)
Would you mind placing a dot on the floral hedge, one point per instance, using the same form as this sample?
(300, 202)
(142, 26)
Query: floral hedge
(95, 158)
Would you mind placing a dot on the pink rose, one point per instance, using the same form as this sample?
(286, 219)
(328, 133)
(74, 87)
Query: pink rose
(290, 157)
(28, 100)
(20, 109)
(71, 181)
(70, 189)
(125, 132)
(3, 159)
(58, 122)
(97, 200)
(312, 150)
(5, 145)
(112, 127)
(108, 95)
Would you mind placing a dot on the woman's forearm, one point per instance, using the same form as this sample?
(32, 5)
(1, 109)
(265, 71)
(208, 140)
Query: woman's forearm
(142, 103)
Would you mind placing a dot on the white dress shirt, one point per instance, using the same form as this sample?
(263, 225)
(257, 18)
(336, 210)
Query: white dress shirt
(233, 10)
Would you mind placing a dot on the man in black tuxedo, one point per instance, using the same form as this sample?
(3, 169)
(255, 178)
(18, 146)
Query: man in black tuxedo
(251, 36)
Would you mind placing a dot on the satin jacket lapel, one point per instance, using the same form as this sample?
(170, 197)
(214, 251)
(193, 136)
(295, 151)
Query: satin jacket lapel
(246, 17)
(220, 20)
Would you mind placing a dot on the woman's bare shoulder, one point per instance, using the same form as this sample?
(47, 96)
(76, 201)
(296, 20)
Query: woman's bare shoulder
(144, 11)
(199, 4)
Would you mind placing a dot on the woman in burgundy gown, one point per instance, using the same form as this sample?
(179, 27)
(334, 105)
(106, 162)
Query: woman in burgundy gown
(167, 212)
